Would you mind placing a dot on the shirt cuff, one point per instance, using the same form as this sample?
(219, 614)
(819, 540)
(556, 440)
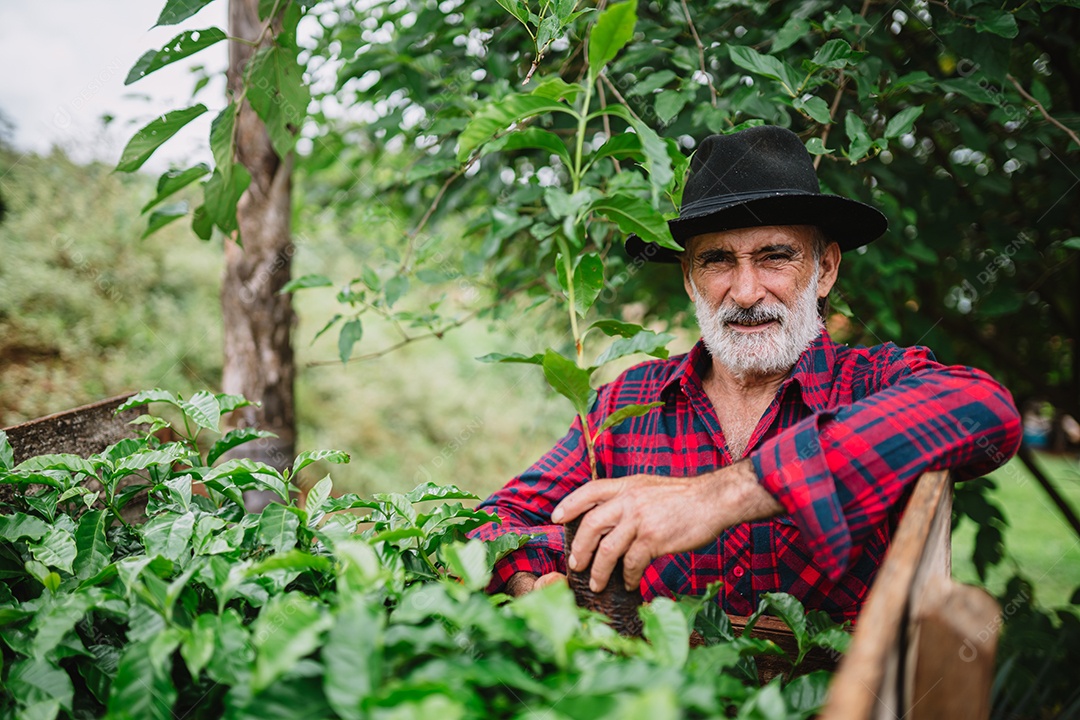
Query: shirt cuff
(536, 560)
(793, 468)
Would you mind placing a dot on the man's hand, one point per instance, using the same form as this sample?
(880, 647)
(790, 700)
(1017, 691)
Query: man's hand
(524, 582)
(642, 517)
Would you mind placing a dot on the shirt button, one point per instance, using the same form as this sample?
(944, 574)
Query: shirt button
(738, 571)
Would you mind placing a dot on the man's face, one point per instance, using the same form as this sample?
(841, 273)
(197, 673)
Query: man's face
(756, 293)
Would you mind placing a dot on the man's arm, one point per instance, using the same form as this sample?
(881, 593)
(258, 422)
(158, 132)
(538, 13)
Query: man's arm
(524, 505)
(838, 474)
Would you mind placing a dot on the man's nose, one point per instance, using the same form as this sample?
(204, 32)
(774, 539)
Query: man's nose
(746, 287)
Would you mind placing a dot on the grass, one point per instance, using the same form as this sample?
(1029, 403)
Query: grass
(1039, 543)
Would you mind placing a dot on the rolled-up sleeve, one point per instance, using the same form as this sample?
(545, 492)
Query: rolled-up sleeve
(524, 506)
(839, 473)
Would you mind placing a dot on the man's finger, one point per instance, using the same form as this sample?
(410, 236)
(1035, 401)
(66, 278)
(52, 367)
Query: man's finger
(608, 553)
(550, 579)
(635, 561)
(584, 499)
(593, 526)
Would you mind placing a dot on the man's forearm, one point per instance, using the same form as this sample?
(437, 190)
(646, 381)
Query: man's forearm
(840, 473)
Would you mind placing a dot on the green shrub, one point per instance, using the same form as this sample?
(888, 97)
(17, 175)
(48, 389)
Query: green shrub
(321, 606)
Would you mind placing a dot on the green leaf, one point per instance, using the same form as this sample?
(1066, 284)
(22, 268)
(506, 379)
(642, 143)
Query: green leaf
(858, 136)
(626, 411)
(183, 45)
(617, 328)
(815, 107)
(57, 549)
(143, 686)
(169, 535)
(94, 551)
(1072, 243)
(532, 138)
(278, 94)
(245, 473)
(520, 10)
(7, 455)
(277, 528)
(350, 334)
(670, 103)
(648, 84)
(18, 526)
(337, 457)
(234, 438)
(996, 21)
(233, 651)
(612, 31)
(60, 461)
(353, 658)
(750, 59)
(430, 491)
(202, 409)
(316, 499)
(176, 11)
(197, 648)
(163, 216)
(588, 280)
(791, 611)
(174, 180)
(143, 459)
(289, 627)
(815, 146)
(33, 681)
(305, 281)
(646, 341)
(294, 561)
(901, 123)
(666, 629)
(537, 359)
(806, 694)
(835, 53)
(500, 114)
(227, 402)
(468, 562)
(150, 138)
(793, 30)
(551, 613)
(635, 216)
(145, 397)
(568, 380)
(222, 191)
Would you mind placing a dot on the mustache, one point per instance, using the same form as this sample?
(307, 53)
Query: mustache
(753, 315)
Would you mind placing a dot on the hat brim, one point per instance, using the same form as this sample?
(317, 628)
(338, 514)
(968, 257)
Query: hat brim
(849, 223)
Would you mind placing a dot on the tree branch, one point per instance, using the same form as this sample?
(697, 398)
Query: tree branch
(1039, 106)
(701, 52)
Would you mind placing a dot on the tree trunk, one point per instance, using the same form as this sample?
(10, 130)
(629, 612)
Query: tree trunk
(259, 321)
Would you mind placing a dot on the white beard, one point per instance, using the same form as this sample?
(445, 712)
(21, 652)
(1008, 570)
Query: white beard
(762, 353)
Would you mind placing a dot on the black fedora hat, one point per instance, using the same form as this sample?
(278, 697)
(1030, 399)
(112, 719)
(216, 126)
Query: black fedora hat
(760, 176)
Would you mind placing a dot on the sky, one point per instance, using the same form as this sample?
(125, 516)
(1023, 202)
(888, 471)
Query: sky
(63, 64)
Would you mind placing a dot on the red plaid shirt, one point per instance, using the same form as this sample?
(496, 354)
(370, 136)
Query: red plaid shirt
(840, 447)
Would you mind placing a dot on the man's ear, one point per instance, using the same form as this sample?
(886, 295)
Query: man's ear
(684, 264)
(829, 269)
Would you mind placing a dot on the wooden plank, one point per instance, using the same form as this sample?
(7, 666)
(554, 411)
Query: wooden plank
(81, 431)
(769, 666)
(870, 678)
(953, 668)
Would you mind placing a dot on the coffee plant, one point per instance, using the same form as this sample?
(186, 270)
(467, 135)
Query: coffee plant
(321, 606)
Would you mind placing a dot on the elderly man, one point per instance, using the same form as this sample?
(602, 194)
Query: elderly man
(779, 460)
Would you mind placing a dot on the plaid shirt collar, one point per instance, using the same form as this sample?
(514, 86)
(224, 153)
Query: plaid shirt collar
(813, 372)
